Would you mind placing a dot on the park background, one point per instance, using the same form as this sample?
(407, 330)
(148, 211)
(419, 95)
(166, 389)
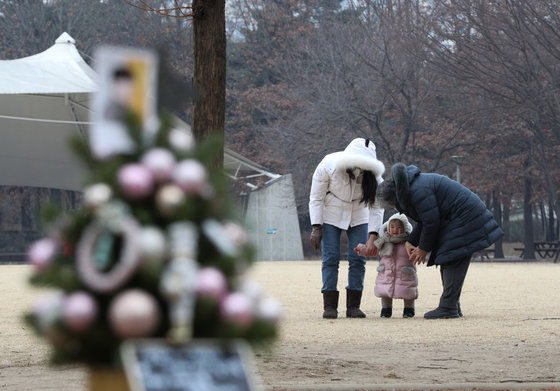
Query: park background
(468, 89)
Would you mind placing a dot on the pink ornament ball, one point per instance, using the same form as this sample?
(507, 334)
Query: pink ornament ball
(190, 175)
(136, 181)
(42, 252)
(237, 309)
(79, 311)
(134, 314)
(160, 162)
(211, 283)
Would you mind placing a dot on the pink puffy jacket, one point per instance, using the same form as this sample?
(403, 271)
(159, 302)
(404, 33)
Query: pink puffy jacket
(396, 277)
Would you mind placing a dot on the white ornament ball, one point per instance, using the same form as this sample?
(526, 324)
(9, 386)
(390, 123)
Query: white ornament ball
(237, 309)
(269, 310)
(79, 311)
(152, 244)
(42, 253)
(134, 314)
(211, 282)
(252, 289)
(47, 310)
(236, 233)
(136, 181)
(190, 175)
(160, 162)
(181, 139)
(97, 194)
(169, 198)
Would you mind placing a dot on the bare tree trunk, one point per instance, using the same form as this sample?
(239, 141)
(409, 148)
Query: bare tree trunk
(209, 81)
(542, 221)
(550, 232)
(506, 223)
(528, 240)
(497, 206)
(557, 230)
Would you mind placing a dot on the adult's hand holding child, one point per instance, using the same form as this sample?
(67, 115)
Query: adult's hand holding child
(371, 250)
(418, 256)
(409, 249)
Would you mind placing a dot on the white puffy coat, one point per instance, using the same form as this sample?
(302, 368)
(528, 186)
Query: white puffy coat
(335, 198)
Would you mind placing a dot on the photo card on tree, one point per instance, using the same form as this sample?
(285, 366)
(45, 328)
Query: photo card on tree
(127, 88)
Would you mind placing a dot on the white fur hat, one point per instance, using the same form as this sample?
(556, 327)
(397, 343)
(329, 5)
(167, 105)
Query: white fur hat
(401, 217)
(360, 153)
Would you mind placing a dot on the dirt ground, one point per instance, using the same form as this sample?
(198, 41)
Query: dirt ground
(509, 337)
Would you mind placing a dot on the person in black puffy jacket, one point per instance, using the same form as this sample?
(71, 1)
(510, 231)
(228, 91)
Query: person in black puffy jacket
(452, 224)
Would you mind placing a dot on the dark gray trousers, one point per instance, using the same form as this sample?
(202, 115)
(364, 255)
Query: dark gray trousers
(452, 278)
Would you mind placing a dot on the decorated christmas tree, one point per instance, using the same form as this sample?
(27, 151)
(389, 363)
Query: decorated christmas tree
(156, 250)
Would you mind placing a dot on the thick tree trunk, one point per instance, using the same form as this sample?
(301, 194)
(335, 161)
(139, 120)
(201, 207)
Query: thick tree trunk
(209, 81)
(528, 239)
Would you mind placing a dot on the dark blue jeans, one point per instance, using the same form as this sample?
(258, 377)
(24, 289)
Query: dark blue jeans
(330, 248)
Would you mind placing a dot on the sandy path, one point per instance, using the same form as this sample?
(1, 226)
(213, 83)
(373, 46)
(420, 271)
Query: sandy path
(509, 337)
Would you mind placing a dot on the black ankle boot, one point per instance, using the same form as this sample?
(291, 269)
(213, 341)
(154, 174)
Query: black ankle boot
(330, 304)
(408, 313)
(386, 312)
(442, 313)
(459, 309)
(353, 300)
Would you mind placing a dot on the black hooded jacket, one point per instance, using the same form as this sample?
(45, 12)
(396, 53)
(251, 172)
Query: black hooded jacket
(452, 221)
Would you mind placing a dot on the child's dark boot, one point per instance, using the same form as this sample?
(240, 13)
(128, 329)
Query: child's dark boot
(386, 312)
(408, 313)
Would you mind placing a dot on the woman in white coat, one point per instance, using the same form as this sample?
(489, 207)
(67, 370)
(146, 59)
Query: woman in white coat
(341, 199)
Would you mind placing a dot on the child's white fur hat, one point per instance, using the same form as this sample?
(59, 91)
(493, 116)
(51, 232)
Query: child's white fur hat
(401, 217)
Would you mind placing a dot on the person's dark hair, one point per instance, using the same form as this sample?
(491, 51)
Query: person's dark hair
(386, 194)
(369, 188)
(122, 74)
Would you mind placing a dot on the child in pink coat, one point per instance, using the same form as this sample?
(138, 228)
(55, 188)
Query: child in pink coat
(396, 277)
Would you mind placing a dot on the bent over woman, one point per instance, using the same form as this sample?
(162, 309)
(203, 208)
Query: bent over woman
(452, 223)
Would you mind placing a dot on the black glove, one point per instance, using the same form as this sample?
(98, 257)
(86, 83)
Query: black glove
(316, 236)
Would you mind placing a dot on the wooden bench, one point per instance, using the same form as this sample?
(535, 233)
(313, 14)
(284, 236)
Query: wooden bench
(548, 253)
(543, 250)
(521, 251)
(483, 254)
(548, 249)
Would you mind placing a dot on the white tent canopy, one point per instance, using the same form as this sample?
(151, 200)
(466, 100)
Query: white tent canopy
(58, 70)
(44, 99)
